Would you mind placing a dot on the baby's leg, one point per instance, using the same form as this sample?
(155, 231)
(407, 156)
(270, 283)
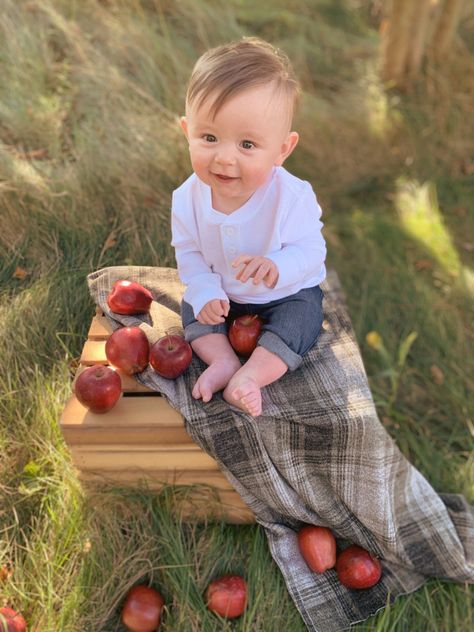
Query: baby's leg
(216, 351)
(262, 368)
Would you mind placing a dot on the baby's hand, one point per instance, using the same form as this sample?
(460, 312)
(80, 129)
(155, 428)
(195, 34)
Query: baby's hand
(258, 268)
(213, 312)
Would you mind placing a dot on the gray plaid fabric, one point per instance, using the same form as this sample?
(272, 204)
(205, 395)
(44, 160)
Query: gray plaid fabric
(318, 454)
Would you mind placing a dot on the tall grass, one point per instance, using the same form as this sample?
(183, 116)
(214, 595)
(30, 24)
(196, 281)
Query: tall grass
(90, 151)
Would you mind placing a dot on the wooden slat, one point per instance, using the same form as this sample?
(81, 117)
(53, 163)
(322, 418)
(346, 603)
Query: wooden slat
(131, 385)
(133, 420)
(100, 328)
(93, 353)
(119, 456)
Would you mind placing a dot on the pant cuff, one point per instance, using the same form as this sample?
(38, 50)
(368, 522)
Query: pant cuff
(196, 330)
(275, 344)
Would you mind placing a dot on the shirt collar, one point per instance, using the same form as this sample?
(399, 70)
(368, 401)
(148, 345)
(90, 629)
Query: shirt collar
(240, 215)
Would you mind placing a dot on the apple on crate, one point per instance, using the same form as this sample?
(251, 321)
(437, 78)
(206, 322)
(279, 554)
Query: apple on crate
(171, 355)
(128, 349)
(129, 297)
(98, 388)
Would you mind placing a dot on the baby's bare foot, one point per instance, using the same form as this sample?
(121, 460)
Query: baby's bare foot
(244, 392)
(214, 378)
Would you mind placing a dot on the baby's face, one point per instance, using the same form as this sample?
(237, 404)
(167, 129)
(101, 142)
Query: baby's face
(234, 153)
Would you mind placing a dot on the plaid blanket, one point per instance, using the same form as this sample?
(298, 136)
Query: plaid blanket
(318, 454)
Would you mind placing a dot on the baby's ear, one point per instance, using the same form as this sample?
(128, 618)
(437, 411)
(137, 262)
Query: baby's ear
(184, 126)
(287, 147)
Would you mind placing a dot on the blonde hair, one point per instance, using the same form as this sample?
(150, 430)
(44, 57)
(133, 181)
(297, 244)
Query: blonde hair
(226, 70)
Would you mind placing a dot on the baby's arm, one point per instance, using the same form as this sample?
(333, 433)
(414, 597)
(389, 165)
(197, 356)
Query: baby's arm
(302, 252)
(203, 285)
(303, 249)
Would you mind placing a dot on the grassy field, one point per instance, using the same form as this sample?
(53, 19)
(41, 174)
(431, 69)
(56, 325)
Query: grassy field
(90, 151)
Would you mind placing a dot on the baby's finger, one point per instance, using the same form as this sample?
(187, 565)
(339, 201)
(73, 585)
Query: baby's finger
(239, 274)
(261, 273)
(243, 268)
(218, 312)
(248, 271)
(271, 278)
(201, 318)
(241, 259)
(225, 307)
(212, 319)
(208, 314)
(215, 308)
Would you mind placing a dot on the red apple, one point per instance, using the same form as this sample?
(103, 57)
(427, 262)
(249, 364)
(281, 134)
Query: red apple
(99, 388)
(171, 355)
(244, 333)
(318, 547)
(227, 596)
(11, 621)
(128, 349)
(129, 297)
(142, 609)
(357, 568)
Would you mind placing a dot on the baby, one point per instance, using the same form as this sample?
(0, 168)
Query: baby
(246, 233)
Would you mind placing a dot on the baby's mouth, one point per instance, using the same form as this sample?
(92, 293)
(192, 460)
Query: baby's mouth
(224, 178)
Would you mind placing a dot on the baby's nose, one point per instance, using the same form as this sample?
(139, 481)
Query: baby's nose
(225, 155)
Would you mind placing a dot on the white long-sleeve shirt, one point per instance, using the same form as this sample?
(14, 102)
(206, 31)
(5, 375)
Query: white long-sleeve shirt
(280, 221)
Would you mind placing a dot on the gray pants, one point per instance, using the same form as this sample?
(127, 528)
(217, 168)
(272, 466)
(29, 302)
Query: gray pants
(292, 324)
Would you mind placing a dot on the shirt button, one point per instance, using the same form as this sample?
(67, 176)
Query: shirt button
(232, 250)
(229, 230)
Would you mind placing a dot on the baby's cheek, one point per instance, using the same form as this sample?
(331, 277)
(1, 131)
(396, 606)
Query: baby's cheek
(258, 177)
(199, 164)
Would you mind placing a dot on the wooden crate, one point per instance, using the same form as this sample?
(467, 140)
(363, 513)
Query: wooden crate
(142, 439)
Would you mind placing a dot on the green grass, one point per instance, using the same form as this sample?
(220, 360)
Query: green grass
(90, 151)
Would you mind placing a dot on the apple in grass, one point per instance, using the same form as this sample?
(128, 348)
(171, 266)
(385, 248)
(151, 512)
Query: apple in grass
(318, 547)
(357, 568)
(244, 332)
(170, 356)
(128, 349)
(142, 609)
(98, 388)
(11, 621)
(129, 297)
(227, 596)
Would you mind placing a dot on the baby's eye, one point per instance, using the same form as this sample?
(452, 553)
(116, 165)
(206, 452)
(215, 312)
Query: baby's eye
(247, 144)
(209, 138)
